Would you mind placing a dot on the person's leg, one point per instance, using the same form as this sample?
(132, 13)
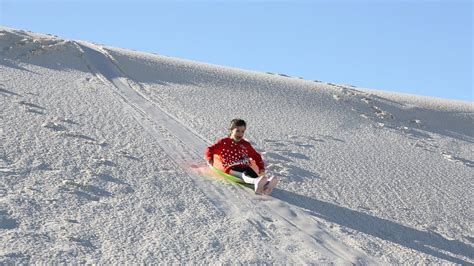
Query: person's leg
(246, 173)
(250, 172)
(250, 177)
(236, 171)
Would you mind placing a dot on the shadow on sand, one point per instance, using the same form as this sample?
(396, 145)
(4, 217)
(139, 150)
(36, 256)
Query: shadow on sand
(427, 242)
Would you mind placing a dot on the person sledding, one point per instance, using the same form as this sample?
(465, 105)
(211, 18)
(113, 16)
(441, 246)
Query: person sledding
(235, 155)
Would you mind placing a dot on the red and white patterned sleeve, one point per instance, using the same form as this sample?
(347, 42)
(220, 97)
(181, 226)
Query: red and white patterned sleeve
(215, 148)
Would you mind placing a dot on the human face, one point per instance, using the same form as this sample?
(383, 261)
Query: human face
(237, 133)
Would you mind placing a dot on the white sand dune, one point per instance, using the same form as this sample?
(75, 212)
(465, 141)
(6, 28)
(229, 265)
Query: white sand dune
(101, 162)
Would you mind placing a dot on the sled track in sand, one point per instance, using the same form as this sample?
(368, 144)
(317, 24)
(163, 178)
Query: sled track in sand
(184, 146)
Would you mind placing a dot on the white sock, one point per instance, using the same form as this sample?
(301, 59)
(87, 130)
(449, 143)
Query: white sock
(247, 179)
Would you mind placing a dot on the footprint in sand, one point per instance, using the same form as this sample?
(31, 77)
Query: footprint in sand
(366, 100)
(89, 140)
(65, 120)
(345, 91)
(456, 159)
(104, 162)
(32, 108)
(6, 92)
(54, 126)
(417, 123)
(82, 241)
(363, 115)
(6, 221)
(128, 155)
(348, 91)
(381, 113)
(87, 191)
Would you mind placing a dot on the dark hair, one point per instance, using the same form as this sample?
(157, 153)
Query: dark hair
(237, 123)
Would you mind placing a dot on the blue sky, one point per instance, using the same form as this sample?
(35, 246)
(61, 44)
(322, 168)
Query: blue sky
(421, 47)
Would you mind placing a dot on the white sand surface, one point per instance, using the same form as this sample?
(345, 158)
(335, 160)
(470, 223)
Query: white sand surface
(101, 162)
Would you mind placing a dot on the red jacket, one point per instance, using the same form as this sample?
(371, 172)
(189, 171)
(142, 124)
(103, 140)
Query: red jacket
(234, 153)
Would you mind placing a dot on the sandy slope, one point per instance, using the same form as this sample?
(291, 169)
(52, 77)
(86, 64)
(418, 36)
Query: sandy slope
(101, 162)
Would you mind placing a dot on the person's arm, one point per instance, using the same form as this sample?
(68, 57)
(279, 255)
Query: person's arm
(211, 150)
(258, 159)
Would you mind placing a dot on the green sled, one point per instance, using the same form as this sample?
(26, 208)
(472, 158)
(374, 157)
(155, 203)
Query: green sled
(230, 178)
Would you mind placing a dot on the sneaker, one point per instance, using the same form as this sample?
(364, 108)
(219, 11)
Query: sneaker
(268, 188)
(260, 183)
